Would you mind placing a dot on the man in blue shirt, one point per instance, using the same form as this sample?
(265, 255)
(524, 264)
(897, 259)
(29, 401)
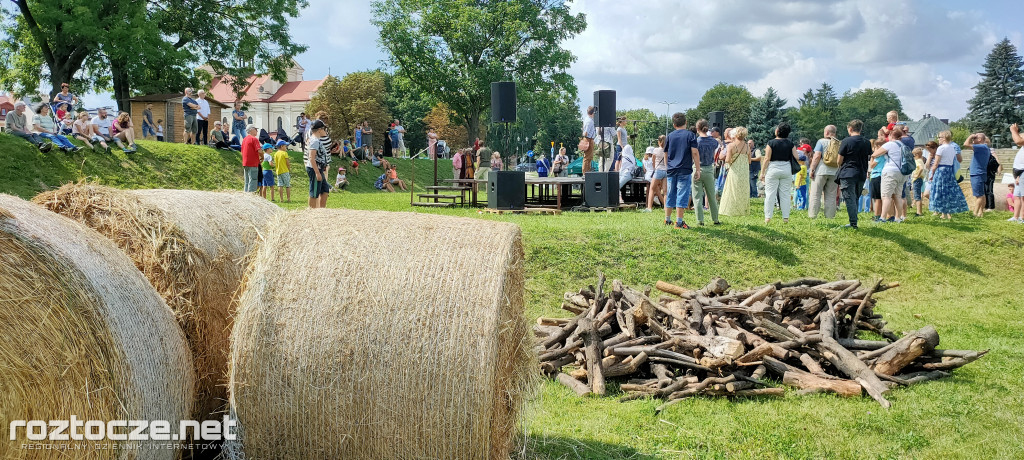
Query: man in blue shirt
(978, 142)
(680, 156)
(190, 107)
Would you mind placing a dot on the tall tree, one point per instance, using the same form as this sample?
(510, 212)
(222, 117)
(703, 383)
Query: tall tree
(646, 129)
(765, 114)
(734, 100)
(439, 119)
(870, 106)
(352, 99)
(816, 109)
(997, 97)
(454, 49)
(410, 107)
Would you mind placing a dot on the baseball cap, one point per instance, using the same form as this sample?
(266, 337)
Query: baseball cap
(319, 124)
(267, 146)
(281, 142)
(341, 168)
(802, 157)
(650, 149)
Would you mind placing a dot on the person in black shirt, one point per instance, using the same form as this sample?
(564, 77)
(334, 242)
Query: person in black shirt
(854, 152)
(778, 177)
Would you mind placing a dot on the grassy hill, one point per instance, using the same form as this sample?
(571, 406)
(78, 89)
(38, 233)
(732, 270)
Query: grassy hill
(167, 165)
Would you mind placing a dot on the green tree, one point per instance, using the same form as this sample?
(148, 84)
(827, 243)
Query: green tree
(734, 100)
(644, 127)
(352, 99)
(410, 107)
(125, 46)
(996, 103)
(454, 49)
(870, 106)
(765, 114)
(816, 110)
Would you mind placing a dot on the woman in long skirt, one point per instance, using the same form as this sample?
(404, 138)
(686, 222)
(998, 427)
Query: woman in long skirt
(736, 193)
(946, 197)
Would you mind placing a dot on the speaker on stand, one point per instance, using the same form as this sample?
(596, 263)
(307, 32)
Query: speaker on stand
(717, 120)
(601, 189)
(505, 189)
(604, 116)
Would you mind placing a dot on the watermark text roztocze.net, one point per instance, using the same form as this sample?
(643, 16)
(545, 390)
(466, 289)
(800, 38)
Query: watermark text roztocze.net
(76, 429)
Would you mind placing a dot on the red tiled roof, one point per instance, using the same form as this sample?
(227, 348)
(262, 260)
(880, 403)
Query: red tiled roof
(296, 91)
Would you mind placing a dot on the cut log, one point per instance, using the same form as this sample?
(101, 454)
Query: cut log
(953, 363)
(853, 367)
(672, 289)
(724, 347)
(808, 381)
(860, 310)
(592, 352)
(906, 350)
(577, 386)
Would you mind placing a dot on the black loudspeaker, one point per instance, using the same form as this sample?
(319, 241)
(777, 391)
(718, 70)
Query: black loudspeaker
(506, 190)
(604, 102)
(503, 102)
(717, 120)
(601, 189)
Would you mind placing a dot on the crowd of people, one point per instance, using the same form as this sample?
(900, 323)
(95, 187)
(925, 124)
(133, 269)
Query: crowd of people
(715, 173)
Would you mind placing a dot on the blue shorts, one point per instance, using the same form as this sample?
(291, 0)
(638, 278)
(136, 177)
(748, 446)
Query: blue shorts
(978, 185)
(918, 189)
(317, 188)
(660, 174)
(268, 178)
(679, 183)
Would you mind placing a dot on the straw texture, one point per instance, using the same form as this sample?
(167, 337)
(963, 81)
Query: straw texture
(377, 335)
(82, 333)
(192, 246)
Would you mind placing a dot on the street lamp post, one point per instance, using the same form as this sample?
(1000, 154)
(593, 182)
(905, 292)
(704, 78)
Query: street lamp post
(668, 119)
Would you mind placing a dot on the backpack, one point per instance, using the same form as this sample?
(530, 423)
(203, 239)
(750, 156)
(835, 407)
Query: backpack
(908, 165)
(831, 154)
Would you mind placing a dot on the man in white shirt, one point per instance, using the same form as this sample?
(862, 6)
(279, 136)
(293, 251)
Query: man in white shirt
(203, 117)
(101, 124)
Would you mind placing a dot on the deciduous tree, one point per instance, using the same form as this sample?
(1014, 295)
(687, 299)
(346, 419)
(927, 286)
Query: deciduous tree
(870, 106)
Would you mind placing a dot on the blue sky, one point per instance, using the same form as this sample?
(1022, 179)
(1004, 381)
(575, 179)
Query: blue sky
(928, 52)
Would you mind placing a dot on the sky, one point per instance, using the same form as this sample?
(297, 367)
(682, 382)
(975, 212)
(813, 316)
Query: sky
(652, 51)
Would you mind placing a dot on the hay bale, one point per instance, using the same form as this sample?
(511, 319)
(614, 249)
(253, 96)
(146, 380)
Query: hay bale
(390, 336)
(192, 246)
(83, 334)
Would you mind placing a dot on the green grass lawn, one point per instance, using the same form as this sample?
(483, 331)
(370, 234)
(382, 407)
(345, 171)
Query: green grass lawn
(965, 277)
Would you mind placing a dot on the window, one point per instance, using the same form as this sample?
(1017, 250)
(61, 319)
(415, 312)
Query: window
(250, 120)
(3, 112)
(224, 120)
(280, 124)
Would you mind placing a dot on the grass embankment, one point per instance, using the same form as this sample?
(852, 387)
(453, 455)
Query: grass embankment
(964, 277)
(167, 165)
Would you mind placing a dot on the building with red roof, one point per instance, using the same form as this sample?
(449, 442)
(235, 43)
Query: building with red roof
(269, 104)
(6, 105)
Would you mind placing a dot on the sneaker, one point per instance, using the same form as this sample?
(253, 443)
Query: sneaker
(668, 222)
(647, 210)
(873, 219)
(700, 223)
(683, 227)
(900, 221)
(717, 223)
(1012, 219)
(890, 220)
(45, 147)
(850, 226)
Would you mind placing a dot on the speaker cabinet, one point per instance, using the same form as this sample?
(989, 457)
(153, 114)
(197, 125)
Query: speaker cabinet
(717, 120)
(506, 190)
(604, 101)
(503, 102)
(601, 189)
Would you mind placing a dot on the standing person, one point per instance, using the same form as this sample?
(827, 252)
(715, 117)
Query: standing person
(388, 143)
(854, 152)
(358, 135)
(621, 139)
(947, 197)
(191, 121)
(626, 168)
(496, 163)
(978, 142)
(17, 124)
(1018, 170)
(148, 127)
(65, 95)
(823, 170)
(681, 155)
(660, 175)
(159, 130)
(778, 178)
(736, 193)
(367, 136)
(892, 179)
(800, 183)
(47, 129)
(317, 158)
(755, 168)
(543, 166)
(397, 143)
(251, 159)
(457, 166)
(432, 146)
(704, 183)
(301, 126)
(917, 178)
(202, 118)
(877, 165)
(283, 171)
(994, 168)
(561, 165)
(238, 121)
(587, 140)
(267, 165)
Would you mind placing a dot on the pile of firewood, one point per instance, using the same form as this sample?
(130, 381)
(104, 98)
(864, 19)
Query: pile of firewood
(718, 342)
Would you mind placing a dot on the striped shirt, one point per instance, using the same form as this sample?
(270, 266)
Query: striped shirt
(322, 154)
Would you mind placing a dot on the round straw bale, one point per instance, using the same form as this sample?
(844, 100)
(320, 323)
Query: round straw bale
(380, 335)
(82, 333)
(192, 246)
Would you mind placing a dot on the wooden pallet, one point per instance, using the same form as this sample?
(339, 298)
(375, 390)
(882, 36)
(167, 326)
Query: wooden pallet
(553, 212)
(621, 207)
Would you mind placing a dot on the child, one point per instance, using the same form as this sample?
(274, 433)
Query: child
(67, 124)
(496, 161)
(283, 171)
(1009, 201)
(355, 167)
(918, 180)
(864, 204)
(876, 165)
(341, 182)
(801, 183)
(393, 178)
(268, 172)
(160, 130)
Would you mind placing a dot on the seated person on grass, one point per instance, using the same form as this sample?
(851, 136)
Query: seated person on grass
(17, 124)
(341, 182)
(392, 173)
(82, 130)
(382, 183)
